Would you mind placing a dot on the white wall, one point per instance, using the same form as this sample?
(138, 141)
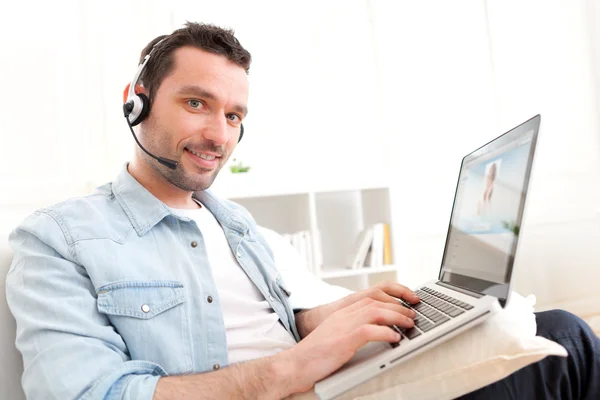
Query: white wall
(592, 24)
(466, 72)
(437, 94)
(312, 90)
(543, 57)
(63, 69)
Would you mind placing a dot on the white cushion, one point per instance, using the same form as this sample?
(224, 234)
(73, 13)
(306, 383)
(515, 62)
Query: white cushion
(307, 291)
(11, 363)
(485, 354)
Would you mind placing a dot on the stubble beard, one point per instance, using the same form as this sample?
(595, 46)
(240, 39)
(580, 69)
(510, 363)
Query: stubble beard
(189, 182)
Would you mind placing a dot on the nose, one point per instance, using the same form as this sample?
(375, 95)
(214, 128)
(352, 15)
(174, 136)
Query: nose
(217, 130)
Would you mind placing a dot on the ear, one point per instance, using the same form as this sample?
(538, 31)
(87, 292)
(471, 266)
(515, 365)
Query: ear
(125, 92)
(138, 89)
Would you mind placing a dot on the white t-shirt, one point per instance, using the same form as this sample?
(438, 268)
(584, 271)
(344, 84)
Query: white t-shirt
(252, 327)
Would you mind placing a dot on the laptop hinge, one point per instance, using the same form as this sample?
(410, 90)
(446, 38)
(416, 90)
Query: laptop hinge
(461, 290)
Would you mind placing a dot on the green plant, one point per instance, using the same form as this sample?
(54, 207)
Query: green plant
(238, 167)
(511, 226)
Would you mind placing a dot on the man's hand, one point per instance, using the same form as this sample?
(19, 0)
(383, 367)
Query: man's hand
(360, 318)
(384, 292)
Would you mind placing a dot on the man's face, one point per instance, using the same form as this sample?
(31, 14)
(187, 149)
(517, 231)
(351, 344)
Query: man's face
(196, 116)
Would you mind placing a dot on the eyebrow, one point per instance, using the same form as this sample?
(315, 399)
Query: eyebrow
(199, 92)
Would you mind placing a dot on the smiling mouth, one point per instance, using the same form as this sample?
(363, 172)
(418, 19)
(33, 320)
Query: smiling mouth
(204, 160)
(204, 156)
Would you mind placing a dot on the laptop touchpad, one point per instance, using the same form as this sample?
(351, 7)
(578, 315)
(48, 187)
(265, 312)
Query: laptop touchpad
(367, 351)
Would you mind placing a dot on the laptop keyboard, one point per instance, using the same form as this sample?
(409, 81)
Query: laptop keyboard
(433, 310)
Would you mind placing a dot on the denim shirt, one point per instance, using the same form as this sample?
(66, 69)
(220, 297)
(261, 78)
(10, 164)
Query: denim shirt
(112, 291)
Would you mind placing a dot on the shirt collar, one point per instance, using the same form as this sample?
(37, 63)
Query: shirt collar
(144, 210)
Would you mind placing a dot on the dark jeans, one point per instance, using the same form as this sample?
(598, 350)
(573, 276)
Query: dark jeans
(574, 377)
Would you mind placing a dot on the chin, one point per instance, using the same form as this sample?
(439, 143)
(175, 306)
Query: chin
(192, 182)
(205, 182)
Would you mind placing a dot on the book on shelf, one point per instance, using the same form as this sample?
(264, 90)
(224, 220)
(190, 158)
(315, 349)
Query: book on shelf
(387, 245)
(377, 250)
(317, 251)
(362, 246)
(304, 244)
(373, 247)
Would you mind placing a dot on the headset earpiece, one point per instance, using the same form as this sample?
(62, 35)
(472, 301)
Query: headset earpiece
(143, 110)
(136, 107)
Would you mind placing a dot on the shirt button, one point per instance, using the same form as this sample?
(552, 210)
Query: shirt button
(145, 308)
(209, 299)
(270, 297)
(194, 244)
(216, 367)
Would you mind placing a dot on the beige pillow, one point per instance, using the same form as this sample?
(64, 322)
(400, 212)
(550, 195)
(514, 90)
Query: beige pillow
(485, 354)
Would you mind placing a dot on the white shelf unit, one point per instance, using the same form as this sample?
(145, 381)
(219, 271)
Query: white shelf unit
(335, 218)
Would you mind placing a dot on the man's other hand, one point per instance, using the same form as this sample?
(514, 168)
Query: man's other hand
(383, 292)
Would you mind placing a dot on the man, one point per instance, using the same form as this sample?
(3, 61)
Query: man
(151, 286)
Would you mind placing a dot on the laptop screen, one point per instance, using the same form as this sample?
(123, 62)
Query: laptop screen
(487, 213)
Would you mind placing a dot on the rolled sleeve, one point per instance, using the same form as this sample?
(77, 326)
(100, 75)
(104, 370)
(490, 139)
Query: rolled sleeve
(134, 380)
(69, 349)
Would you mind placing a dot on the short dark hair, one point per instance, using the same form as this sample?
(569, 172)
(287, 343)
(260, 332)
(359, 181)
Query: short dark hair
(206, 37)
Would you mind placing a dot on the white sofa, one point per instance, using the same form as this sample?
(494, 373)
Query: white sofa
(11, 363)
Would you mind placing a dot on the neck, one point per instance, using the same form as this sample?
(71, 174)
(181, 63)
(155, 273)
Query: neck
(156, 184)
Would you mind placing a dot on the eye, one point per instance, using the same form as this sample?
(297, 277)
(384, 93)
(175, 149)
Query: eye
(234, 117)
(194, 103)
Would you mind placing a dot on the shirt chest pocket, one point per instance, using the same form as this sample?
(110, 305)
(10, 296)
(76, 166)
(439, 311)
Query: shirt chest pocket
(151, 318)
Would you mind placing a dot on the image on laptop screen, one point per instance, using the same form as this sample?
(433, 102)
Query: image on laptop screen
(485, 221)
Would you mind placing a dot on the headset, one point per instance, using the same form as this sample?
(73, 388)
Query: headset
(137, 108)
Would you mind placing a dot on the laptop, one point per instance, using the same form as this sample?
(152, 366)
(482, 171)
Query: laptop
(475, 276)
